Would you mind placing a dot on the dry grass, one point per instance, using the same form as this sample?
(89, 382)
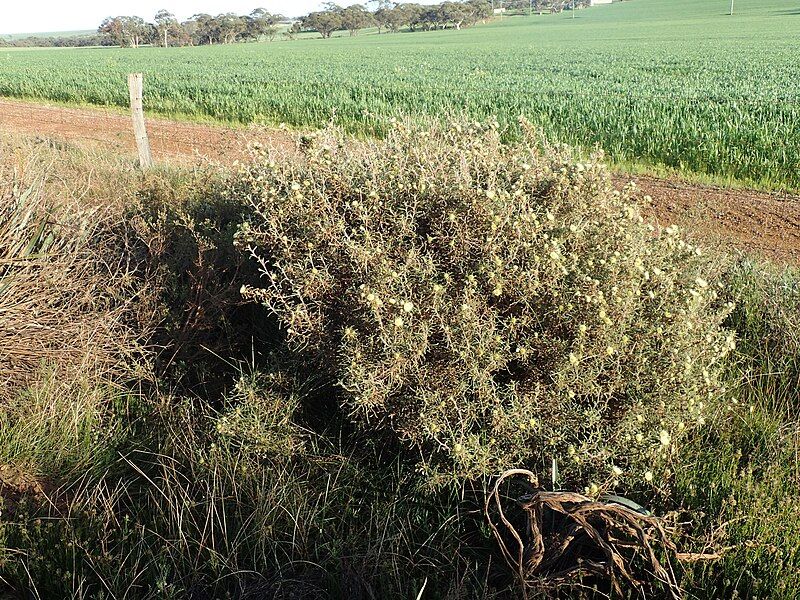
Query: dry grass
(65, 291)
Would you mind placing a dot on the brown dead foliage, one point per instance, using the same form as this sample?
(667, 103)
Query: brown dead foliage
(562, 542)
(65, 290)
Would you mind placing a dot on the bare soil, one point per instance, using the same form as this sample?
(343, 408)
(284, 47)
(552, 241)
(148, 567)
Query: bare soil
(756, 222)
(111, 130)
(15, 485)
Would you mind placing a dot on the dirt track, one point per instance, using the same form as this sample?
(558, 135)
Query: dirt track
(766, 224)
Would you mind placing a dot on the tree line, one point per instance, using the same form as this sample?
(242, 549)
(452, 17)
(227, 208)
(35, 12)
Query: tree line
(540, 6)
(56, 41)
(227, 28)
(393, 16)
(201, 29)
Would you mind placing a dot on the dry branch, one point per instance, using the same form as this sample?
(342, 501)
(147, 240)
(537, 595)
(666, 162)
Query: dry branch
(559, 540)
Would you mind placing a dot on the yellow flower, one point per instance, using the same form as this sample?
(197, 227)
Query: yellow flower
(408, 307)
(665, 437)
(398, 322)
(648, 476)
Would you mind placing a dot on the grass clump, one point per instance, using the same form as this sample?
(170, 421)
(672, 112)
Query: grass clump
(59, 424)
(488, 304)
(192, 508)
(767, 322)
(60, 300)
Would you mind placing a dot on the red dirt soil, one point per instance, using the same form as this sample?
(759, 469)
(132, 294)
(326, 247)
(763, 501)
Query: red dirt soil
(756, 222)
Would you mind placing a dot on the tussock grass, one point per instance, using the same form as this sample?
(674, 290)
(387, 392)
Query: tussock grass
(54, 425)
(64, 288)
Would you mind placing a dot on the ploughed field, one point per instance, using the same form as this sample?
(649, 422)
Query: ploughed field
(675, 83)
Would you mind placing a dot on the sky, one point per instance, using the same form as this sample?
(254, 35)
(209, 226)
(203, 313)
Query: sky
(36, 16)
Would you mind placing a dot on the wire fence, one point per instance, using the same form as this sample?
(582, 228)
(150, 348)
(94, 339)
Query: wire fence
(116, 131)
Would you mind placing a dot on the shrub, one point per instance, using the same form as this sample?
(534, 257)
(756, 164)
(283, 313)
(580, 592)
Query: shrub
(183, 226)
(488, 304)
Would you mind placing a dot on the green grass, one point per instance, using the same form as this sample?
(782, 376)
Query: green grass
(739, 479)
(657, 83)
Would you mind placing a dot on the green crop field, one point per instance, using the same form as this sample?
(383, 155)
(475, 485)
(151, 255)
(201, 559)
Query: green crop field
(661, 83)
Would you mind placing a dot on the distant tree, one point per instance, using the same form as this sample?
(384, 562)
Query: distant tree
(166, 24)
(383, 18)
(188, 32)
(376, 5)
(230, 27)
(261, 23)
(204, 29)
(137, 31)
(128, 31)
(417, 16)
(112, 28)
(479, 10)
(294, 29)
(324, 22)
(355, 18)
(451, 13)
(181, 36)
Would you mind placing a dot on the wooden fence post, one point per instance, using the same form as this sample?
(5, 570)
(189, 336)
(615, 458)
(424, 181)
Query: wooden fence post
(135, 86)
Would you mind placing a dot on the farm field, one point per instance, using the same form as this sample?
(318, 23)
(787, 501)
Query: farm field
(676, 84)
(405, 346)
